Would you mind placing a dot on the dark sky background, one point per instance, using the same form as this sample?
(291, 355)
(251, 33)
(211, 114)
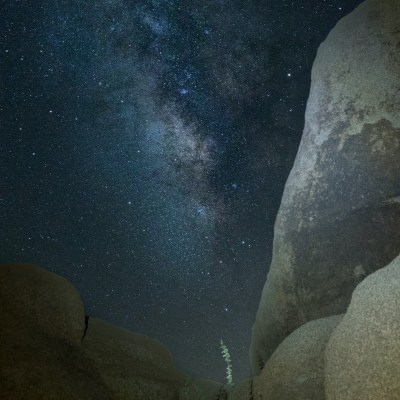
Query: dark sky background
(144, 147)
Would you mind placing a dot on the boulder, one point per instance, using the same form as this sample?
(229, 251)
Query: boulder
(133, 366)
(42, 324)
(46, 354)
(339, 219)
(362, 355)
(34, 298)
(296, 368)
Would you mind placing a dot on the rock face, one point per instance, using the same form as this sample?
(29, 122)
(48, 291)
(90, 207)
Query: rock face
(132, 365)
(296, 369)
(45, 355)
(339, 218)
(34, 298)
(42, 324)
(362, 356)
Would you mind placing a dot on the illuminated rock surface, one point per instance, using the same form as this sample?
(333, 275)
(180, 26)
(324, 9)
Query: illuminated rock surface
(339, 219)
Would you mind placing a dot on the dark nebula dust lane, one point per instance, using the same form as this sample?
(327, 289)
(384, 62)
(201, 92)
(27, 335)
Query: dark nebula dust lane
(144, 147)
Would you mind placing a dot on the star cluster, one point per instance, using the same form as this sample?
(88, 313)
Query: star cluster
(144, 149)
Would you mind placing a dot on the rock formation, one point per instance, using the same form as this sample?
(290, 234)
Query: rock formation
(362, 355)
(42, 324)
(339, 219)
(296, 369)
(44, 353)
(132, 365)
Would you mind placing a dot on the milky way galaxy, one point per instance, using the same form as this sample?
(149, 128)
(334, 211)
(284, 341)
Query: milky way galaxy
(144, 150)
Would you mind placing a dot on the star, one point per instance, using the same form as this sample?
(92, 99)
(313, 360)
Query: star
(191, 116)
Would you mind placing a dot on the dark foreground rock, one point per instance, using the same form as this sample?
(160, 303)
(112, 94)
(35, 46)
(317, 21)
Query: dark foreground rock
(339, 219)
(42, 324)
(43, 357)
(131, 364)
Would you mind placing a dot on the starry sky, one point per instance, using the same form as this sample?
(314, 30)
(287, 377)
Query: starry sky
(144, 147)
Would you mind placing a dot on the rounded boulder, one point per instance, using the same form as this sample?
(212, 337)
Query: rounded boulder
(35, 300)
(362, 355)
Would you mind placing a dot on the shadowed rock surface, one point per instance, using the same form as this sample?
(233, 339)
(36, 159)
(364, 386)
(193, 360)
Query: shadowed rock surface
(38, 299)
(362, 355)
(42, 323)
(130, 363)
(339, 219)
(296, 369)
(42, 355)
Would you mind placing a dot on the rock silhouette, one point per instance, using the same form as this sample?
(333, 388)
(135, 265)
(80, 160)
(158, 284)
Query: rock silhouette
(43, 356)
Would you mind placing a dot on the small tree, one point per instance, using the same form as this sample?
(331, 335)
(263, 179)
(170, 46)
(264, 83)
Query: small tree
(226, 356)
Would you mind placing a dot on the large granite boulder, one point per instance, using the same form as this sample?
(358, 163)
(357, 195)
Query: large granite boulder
(339, 219)
(42, 325)
(46, 352)
(296, 369)
(33, 298)
(134, 366)
(362, 355)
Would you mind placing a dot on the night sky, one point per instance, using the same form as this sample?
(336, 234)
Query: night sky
(144, 147)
